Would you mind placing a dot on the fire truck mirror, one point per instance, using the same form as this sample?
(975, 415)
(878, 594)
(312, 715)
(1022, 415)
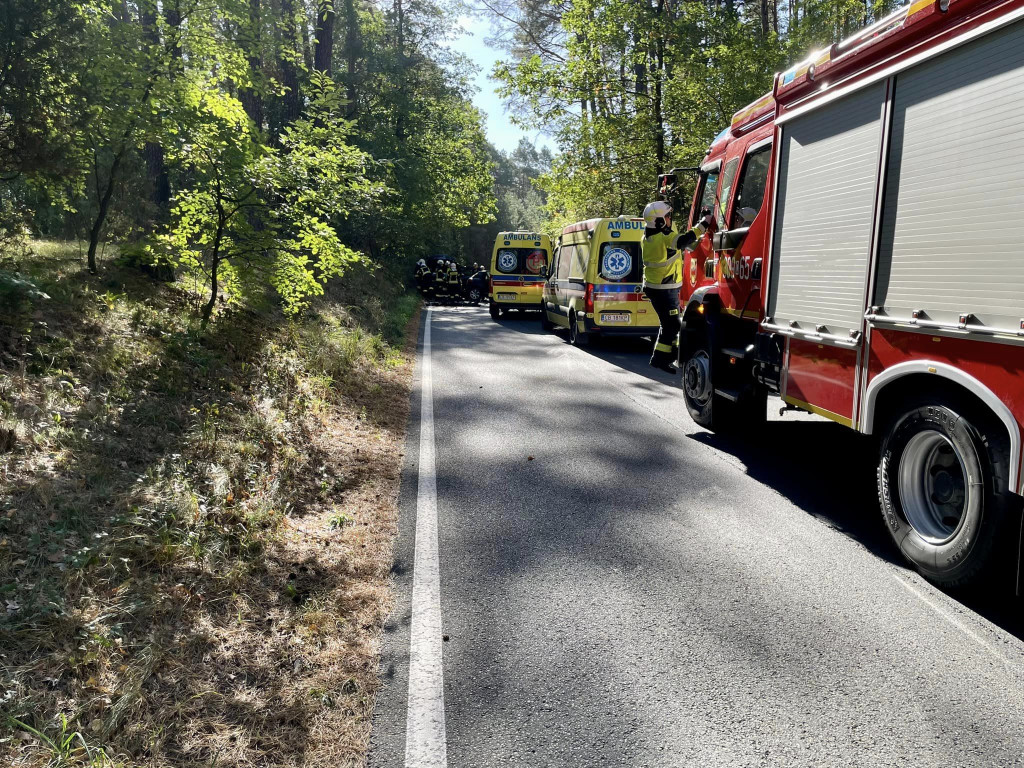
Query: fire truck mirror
(728, 239)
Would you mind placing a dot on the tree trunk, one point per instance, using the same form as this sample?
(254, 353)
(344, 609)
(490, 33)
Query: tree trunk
(352, 50)
(659, 119)
(400, 41)
(102, 209)
(251, 98)
(156, 167)
(214, 265)
(764, 19)
(324, 53)
(289, 72)
(160, 192)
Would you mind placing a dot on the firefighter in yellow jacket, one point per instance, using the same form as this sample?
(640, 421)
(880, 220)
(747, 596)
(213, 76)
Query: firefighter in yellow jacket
(662, 250)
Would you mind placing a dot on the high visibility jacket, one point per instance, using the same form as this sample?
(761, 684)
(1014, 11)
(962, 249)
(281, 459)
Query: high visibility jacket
(453, 276)
(663, 256)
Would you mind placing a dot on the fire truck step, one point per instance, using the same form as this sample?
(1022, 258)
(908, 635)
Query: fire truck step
(739, 354)
(728, 394)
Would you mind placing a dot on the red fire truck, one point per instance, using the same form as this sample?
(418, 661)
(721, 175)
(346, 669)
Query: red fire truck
(867, 267)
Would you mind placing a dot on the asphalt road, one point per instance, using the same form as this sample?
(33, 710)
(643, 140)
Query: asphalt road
(645, 593)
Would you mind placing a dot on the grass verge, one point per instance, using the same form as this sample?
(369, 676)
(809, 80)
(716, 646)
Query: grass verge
(195, 527)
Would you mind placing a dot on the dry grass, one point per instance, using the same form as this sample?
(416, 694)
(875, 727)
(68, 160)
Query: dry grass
(195, 528)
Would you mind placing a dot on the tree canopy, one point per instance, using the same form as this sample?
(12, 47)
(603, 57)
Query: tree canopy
(247, 143)
(631, 88)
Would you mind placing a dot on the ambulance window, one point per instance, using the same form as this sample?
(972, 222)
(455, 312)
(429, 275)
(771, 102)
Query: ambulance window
(707, 195)
(564, 257)
(521, 261)
(750, 192)
(579, 262)
(723, 199)
(621, 262)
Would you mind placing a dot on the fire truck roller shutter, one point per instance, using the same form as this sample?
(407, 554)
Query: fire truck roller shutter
(826, 195)
(953, 220)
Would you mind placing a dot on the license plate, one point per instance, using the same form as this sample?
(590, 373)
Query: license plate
(506, 297)
(614, 317)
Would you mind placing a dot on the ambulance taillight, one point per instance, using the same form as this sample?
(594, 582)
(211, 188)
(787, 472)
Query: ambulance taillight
(588, 299)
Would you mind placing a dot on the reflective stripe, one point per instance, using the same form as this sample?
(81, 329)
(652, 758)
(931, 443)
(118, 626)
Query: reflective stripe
(662, 347)
(662, 286)
(663, 264)
(673, 311)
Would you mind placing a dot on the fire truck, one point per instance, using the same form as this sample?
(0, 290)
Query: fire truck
(867, 267)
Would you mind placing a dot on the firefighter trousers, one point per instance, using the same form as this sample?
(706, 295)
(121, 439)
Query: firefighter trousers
(666, 305)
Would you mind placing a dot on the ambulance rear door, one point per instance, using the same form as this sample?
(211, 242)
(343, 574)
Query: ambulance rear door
(617, 273)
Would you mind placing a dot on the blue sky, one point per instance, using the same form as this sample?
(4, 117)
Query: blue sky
(471, 43)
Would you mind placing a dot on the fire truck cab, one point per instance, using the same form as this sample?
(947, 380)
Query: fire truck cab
(866, 268)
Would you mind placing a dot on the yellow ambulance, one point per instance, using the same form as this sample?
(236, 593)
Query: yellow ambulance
(517, 271)
(594, 286)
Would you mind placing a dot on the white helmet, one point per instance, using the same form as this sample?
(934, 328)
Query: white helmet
(659, 209)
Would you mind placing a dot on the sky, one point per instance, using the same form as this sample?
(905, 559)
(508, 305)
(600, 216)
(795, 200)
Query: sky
(500, 132)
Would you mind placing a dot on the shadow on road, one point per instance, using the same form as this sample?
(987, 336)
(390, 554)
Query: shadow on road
(823, 468)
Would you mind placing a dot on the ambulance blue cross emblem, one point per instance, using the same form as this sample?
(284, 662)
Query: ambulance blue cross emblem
(616, 263)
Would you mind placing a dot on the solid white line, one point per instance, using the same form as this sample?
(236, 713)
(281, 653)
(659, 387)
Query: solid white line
(931, 603)
(425, 740)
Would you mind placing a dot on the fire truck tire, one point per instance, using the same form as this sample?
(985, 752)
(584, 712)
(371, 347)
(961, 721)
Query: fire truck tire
(942, 490)
(495, 311)
(705, 407)
(577, 337)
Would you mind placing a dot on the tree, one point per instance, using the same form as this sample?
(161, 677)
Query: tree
(256, 214)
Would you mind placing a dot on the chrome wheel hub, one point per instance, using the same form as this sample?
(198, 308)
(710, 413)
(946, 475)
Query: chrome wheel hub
(933, 486)
(697, 378)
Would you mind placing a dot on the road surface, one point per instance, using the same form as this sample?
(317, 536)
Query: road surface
(645, 593)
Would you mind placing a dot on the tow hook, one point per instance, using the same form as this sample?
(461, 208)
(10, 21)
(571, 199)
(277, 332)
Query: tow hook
(787, 407)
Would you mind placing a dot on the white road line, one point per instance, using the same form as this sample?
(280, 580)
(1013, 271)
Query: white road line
(934, 605)
(425, 740)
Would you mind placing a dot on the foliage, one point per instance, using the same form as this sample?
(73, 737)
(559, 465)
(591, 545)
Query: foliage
(254, 146)
(630, 89)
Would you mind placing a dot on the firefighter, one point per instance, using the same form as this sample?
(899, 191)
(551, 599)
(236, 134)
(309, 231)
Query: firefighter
(663, 275)
(454, 282)
(424, 280)
(440, 282)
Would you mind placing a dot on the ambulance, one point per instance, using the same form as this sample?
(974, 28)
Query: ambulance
(517, 265)
(595, 284)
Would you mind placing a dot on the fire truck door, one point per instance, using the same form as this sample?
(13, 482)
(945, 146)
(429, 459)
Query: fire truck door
(824, 223)
(740, 287)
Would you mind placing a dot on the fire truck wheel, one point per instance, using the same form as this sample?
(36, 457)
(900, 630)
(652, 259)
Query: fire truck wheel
(577, 337)
(495, 311)
(942, 490)
(698, 389)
